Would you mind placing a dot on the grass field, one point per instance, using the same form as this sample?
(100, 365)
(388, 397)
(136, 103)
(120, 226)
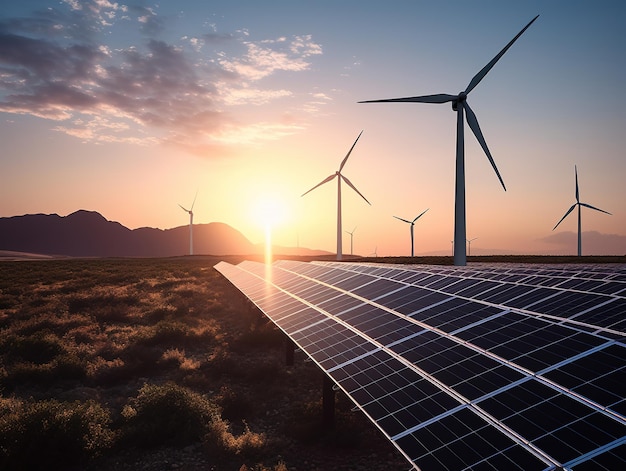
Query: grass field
(158, 364)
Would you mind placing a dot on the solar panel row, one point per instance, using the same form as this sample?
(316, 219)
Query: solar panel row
(493, 367)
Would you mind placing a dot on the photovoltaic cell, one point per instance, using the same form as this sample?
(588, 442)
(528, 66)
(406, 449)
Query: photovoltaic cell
(486, 367)
(609, 315)
(463, 441)
(598, 376)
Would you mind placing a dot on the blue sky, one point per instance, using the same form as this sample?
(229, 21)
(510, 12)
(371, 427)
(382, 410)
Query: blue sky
(129, 108)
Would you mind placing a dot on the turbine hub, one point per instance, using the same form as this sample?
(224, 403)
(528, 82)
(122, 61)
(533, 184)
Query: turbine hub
(461, 97)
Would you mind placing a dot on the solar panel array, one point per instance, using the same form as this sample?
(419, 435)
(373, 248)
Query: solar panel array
(485, 367)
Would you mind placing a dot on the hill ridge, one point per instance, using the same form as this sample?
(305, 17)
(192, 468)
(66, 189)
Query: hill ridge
(85, 233)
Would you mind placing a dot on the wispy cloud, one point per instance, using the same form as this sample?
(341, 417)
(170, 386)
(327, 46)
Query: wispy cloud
(264, 59)
(55, 65)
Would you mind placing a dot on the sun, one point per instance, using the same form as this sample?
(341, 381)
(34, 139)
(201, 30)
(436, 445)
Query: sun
(270, 211)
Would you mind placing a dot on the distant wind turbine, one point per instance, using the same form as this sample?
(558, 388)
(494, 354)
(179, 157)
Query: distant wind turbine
(351, 237)
(469, 245)
(340, 177)
(579, 204)
(190, 211)
(459, 104)
(412, 223)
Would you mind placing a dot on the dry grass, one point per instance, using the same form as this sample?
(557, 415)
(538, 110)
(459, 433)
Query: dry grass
(103, 357)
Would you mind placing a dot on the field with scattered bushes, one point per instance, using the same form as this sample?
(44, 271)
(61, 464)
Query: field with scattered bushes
(157, 364)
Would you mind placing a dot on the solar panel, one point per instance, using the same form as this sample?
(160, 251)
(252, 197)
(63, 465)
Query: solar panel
(481, 367)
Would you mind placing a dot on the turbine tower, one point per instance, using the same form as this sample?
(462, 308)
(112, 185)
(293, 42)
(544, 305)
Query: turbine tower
(412, 223)
(460, 105)
(340, 177)
(351, 237)
(190, 211)
(579, 204)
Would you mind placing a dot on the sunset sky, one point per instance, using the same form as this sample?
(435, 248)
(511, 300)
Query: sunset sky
(129, 108)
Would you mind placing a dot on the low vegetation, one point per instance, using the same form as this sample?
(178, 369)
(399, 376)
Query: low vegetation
(157, 364)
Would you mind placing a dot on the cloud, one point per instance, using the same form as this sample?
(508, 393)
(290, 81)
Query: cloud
(260, 61)
(593, 243)
(55, 65)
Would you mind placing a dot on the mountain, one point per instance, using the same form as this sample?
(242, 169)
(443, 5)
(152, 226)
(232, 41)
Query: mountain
(89, 234)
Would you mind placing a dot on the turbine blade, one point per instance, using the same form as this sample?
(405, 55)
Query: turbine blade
(404, 220)
(420, 215)
(438, 98)
(194, 200)
(593, 207)
(566, 214)
(354, 188)
(577, 194)
(343, 162)
(326, 180)
(184, 209)
(480, 75)
(472, 121)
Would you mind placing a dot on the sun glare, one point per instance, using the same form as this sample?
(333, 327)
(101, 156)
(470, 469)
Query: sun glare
(269, 212)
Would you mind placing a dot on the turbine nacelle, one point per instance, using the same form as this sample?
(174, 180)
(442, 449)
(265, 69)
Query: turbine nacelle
(460, 98)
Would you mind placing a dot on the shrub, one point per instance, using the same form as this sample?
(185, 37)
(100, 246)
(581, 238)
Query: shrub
(167, 333)
(41, 347)
(235, 405)
(27, 373)
(70, 367)
(281, 466)
(112, 368)
(167, 415)
(104, 307)
(161, 313)
(176, 358)
(107, 372)
(221, 363)
(220, 439)
(65, 367)
(51, 434)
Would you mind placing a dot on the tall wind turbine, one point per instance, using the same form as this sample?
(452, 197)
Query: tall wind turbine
(459, 104)
(351, 237)
(190, 211)
(340, 177)
(412, 223)
(579, 204)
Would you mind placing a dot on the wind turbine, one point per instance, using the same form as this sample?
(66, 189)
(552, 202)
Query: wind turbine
(190, 211)
(412, 223)
(340, 177)
(579, 204)
(469, 245)
(351, 237)
(459, 104)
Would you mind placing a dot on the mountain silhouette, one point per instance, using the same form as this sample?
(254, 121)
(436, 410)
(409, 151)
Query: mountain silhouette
(89, 234)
